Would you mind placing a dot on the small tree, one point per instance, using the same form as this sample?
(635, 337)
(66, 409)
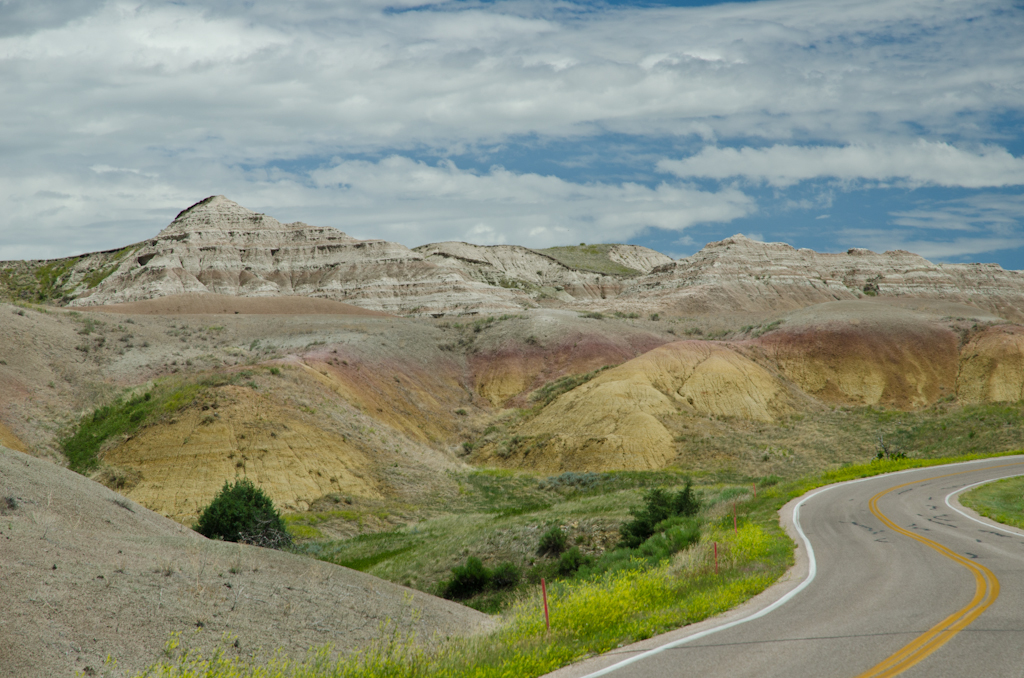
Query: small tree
(572, 560)
(242, 512)
(552, 543)
(505, 576)
(889, 450)
(659, 505)
(467, 580)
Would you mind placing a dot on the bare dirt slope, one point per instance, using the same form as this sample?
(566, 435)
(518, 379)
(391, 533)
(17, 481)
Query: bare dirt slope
(85, 573)
(8, 439)
(547, 344)
(207, 303)
(306, 405)
(868, 353)
(992, 366)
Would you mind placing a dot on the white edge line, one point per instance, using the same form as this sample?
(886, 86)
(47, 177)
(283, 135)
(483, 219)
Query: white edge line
(812, 570)
(949, 496)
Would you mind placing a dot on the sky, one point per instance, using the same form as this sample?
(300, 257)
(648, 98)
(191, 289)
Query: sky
(828, 124)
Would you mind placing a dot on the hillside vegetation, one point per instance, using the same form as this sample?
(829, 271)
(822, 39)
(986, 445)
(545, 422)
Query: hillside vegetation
(589, 258)
(591, 611)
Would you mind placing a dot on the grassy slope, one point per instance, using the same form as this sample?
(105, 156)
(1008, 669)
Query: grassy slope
(52, 280)
(588, 258)
(125, 416)
(1002, 501)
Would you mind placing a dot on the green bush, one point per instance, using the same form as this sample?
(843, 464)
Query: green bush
(572, 560)
(505, 576)
(659, 505)
(682, 531)
(467, 580)
(242, 512)
(552, 543)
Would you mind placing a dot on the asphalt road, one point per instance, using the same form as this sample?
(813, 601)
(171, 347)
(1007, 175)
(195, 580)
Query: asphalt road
(904, 585)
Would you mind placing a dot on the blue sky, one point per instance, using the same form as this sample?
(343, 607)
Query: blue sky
(826, 124)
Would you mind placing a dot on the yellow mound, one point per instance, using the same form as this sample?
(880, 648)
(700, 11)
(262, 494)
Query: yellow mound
(184, 463)
(612, 422)
(992, 366)
(8, 439)
(867, 357)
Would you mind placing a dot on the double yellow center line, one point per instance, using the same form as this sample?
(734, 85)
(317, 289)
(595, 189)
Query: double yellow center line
(986, 592)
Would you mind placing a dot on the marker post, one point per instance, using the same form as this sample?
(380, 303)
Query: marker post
(544, 594)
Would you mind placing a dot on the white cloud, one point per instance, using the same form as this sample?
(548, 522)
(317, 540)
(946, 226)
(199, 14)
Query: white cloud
(199, 98)
(415, 203)
(397, 199)
(916, 164)
(991, 222)
(1001, 214)
(956, 249)
(289, 78)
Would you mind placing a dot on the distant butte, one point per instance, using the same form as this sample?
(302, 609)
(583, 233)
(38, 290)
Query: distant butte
(219, 247)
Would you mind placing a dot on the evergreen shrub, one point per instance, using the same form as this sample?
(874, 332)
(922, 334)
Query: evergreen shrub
(242, 512)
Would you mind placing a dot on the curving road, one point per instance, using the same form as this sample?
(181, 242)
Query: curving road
(898, 580)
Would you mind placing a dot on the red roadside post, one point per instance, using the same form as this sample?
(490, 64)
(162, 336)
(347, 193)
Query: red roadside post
(716, 557)
(544, 593)
(755, 490)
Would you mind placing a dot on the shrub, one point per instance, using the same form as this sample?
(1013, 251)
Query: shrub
(572, 560)
(505, 576)
(659, 505)
(467, 580)
(681, 531)
(243, 513)
(552, 543)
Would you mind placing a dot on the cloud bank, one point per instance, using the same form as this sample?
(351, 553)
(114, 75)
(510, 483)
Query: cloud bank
(917, 164)
(436, 122)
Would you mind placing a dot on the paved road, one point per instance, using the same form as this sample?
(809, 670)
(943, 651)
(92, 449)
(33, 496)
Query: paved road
(905, 585)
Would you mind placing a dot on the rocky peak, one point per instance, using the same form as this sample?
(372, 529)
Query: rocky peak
(738, 273)
(218, 246)
(218, 213)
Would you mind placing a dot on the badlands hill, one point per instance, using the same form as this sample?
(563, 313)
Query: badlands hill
(372, 336)
(216, 246)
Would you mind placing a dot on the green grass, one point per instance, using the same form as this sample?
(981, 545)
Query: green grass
(1002, 501)
(588, 258)
(544, 395)
(124, 417)
(37, 281)
(119, 418)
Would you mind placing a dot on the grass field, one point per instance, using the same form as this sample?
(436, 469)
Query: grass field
(1002, 501)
